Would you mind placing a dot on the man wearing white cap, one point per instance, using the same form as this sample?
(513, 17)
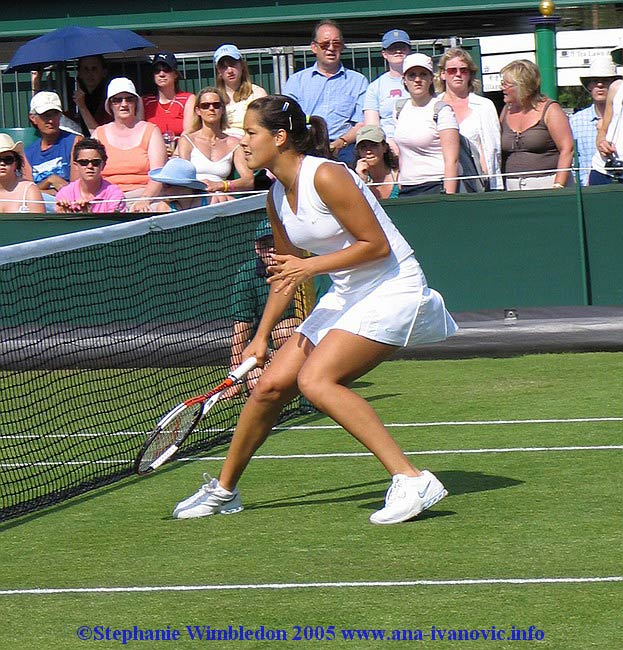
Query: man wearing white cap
(382, 93)
(50, 156)
(585, 123)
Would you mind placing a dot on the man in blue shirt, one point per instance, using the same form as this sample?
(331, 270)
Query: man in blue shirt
(378, 106)
(330, 90)
(585, 123)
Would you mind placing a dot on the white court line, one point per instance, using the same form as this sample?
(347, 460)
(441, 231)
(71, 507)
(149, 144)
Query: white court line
(431, 452)
(43, 591)
(319, 427)
(346, 454)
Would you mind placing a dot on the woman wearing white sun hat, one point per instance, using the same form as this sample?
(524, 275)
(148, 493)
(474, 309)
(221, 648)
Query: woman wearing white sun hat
(16, 194)
(134, 147)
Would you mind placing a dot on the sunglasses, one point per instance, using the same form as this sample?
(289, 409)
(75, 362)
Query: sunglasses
(162, 68)
(205, 105)
(85, 162)
(130, 99)
(452, 71)
(327, 45)
(8, 160)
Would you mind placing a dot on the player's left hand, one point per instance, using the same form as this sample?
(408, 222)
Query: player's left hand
(287, 272)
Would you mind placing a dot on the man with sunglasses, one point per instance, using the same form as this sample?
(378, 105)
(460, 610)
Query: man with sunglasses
(51, 154)
(90, 192)
(330, 90)
(383, 92)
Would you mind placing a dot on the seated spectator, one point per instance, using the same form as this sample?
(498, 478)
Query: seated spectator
(428, 140)
(234, 82)
(134, 147)
(330, 90)
(90, 193)
(249, 295)
(179, 178)
(382, 93)
(16, 194)
(477, 116)
(214, 153)
(376, 163)
(90, 95)
(585, 123)
(536, 136)
(609, 141)
(170, 108)
(50, 155)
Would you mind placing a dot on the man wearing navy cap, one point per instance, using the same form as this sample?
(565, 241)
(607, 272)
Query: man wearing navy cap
(382, 93)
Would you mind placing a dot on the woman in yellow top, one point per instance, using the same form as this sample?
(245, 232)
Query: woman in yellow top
(234, 81)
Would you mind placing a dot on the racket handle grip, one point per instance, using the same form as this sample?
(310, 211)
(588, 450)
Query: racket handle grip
(164, 457)
(246, 366)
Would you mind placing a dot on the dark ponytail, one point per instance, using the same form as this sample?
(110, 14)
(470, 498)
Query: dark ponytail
(305, 135)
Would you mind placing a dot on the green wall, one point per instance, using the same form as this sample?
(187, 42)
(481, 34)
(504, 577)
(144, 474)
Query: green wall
(485, 251)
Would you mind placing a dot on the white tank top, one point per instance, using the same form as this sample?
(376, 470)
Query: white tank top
(211, 170)
(315, 229)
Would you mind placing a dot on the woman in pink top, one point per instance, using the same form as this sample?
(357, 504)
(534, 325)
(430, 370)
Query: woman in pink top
(90, 193)
(134, 147)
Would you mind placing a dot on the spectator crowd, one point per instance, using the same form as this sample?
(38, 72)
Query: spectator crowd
(419, 128)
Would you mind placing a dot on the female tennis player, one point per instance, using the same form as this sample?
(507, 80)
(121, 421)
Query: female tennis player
(378, 302)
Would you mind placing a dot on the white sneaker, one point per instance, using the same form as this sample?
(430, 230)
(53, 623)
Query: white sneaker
(210, 499)
(208, 484)
(408, 496)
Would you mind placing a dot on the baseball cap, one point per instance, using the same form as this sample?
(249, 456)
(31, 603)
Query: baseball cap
(371, 133)
(45, 101)
(227, 49)
(165, 58)
(116, 86)
(395, 36)
(417, 60)
(263, 230)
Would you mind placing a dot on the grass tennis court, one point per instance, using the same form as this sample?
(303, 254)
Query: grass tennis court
(530, 535)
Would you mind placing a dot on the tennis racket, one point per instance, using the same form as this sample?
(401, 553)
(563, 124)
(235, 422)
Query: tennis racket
(178, 423)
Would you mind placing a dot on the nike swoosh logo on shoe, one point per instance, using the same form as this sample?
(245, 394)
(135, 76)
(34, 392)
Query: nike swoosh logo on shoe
(424, 491)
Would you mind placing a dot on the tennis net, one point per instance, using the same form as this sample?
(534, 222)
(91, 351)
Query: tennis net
(104, 330)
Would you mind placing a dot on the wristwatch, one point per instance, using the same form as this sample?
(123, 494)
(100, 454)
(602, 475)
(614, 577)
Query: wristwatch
(344, 141)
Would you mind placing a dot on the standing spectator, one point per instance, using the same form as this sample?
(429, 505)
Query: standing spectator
(134, 147)
(234, 81)
(330, 90)
(90, 193)
(382, 93)
(50, 156)
(214, 153)
(477, 116)
(377, 164)
(609, 140)
(90, 94)
(169, 108)
(16, 194)
(536, 136)
(427, 138)
(585, 123)
(249, 296)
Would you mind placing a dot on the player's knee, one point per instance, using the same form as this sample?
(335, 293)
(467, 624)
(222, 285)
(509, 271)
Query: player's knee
(269, 389)
(310, 385)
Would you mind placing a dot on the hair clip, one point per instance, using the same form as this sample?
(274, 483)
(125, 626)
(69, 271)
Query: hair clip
(285, 107)
(290, 121)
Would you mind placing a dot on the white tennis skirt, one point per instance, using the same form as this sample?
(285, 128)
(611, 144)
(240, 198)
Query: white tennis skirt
(400, 309)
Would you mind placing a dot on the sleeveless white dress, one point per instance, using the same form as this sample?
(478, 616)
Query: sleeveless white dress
(386, 300)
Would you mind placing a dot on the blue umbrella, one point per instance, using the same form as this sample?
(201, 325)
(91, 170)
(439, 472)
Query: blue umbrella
(73, 42)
